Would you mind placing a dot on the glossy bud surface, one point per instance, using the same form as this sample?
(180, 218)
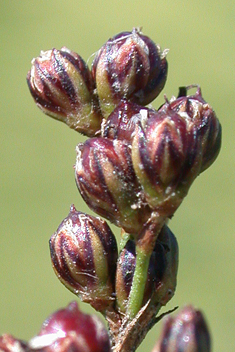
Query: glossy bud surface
(84, 254)
(62, 87)
(129, 66)
(186, 332)
(106, 180)
(70, 330)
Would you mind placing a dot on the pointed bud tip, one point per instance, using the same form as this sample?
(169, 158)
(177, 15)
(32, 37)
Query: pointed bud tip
(71, 329)
(61, 84)
(186, 332)
(83, 253)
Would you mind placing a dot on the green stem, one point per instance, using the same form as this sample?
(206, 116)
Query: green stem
(144, 249)
(124, 239)
(138, 283)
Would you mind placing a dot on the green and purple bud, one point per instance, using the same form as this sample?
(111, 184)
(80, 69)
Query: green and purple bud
(84, 255)
(187, 332)
(121, 123)
(8, 343)
(166, 156)
(173, 147)
(70, 330)
(162, 271)
(63, 88)
(107, 182)
(200, 117)
(129, 66)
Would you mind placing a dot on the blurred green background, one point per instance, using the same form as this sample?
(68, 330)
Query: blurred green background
(38, 153)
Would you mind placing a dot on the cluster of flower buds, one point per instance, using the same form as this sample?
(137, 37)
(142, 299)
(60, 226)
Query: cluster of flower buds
(66, 330)
(134, 170)
(128, 66)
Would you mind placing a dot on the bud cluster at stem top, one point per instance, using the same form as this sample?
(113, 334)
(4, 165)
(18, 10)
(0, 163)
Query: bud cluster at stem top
(128, 66)
(147, 159)
(139, 159)
(134, 170)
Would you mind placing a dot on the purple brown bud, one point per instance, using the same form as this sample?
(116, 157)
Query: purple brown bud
(187, 332)
(70, 330)
(84, 255)
(62, 87)
(166, 156)
(8, 343)
(122, 122)
(162, 271)
(129, 66)
(106, 180)
(202, 118)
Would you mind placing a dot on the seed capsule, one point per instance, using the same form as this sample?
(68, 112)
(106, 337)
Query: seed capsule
(70, 330)
(84, 255)
(62, 87)
(129, 66)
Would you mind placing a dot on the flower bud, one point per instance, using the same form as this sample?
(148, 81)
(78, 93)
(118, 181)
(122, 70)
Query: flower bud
(8, 343)
(62, 87)
(129, 66)
(187, 332)
(70, 330)
(202, 119)
(122, 122)
(84, 255)
(162, 271)
(106, 180)
(166, 156)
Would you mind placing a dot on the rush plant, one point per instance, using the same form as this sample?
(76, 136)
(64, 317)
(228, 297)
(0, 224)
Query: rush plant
(134, 170)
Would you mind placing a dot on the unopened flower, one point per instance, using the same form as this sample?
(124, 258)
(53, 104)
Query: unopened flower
(84, 254)
(166, 156)
(129, 66)
(121, 123)
(202, 119)
(106, 180)
(62, 87)
(172, 148)
(187, 332)
(70, 330)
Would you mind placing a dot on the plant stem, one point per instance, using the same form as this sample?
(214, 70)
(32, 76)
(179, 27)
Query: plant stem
(144, 248)
(138, 283)
(125, 237)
